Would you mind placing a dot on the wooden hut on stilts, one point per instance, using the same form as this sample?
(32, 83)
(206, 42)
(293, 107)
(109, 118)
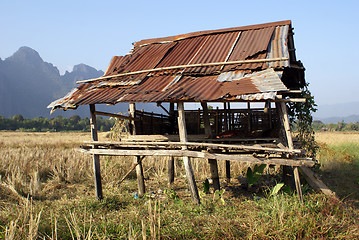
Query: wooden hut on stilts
(242, 66)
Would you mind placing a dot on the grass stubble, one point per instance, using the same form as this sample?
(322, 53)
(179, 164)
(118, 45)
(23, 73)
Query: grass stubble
(47, 192)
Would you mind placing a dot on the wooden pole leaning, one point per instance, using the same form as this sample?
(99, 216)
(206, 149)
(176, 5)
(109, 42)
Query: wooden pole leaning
(212, 162)
(96, 157)
(187, 163)
(286, 125)
(137, 160)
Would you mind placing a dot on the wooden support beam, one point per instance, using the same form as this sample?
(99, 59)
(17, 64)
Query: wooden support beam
(249, 117)
(297, 184)
(198, 121)
(128, 173)
(217, 124)
(96, 157)
(194, 154)
(225, 116)
(140, 176)
(163, 108)
(172, 117)
(291, 147)
(115, 115)
(212, 162)
(228, 171)
(137, 160)
(132, 112)
(229, 116)
(286, 125)
(315, 182)
(214, 173)
(203, 145)
(171, 170)
(187, 163)
(206, 121)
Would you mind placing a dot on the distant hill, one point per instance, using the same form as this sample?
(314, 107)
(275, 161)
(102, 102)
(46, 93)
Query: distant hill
(348, 119)
(333, 113)
(79, 72)
(28, 84)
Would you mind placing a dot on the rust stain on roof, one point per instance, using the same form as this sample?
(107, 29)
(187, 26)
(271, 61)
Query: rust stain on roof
(196, 34)
(200, 83)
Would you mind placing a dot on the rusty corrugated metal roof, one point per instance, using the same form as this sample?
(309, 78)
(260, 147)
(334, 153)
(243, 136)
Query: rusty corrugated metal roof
(122, 82)
(278, 46)
(200, 33)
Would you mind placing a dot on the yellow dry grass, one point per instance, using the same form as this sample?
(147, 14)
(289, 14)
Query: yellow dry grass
(44, 138)
(335, 138)
(46, 168)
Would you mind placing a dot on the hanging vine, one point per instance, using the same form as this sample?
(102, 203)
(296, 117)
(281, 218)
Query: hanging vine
(301, 119)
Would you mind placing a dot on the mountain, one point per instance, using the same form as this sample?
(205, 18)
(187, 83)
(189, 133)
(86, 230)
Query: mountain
(28, 83)
(333, 113)
(80, 72)
(347, 119)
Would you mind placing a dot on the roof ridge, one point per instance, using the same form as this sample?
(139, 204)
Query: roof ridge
(208, 32)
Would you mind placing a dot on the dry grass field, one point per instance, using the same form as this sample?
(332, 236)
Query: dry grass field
(339, 159)
(47, 192)
(337, 138)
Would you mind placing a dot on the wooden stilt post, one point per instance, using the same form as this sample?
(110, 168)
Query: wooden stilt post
(286, 125)
(297, 184)
(187, 163)
(137, 160)
(214, 173)
(132, 114)
(228, 171)
(171, 161)
(269, 112)
(212, 162)
(287, 173)
(96, 158)
(249, 117)
(217, 122)
(225, 116)
(230, 126)
(198, 121)
(206, 122)
(172, 118)
(171, 170)
(140, 177)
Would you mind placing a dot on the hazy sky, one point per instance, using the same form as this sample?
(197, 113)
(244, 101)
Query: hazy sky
(66, 33)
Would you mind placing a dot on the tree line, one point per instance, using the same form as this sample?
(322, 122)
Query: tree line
(340, 126)
(76, 123)
(56, 124)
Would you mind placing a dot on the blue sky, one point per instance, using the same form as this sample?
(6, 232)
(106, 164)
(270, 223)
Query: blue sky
(66, 33)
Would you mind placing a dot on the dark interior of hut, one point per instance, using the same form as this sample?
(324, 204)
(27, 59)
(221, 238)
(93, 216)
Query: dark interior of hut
(225, 122)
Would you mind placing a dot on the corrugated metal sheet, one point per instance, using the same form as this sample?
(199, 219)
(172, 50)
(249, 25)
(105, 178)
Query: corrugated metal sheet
(257, 96)
(147, 57)
(116, 65)
(204, 83)
(214, 49)
(200, 33)
(278, 47)
(267, 80)
(251, 45)
(169, 88)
